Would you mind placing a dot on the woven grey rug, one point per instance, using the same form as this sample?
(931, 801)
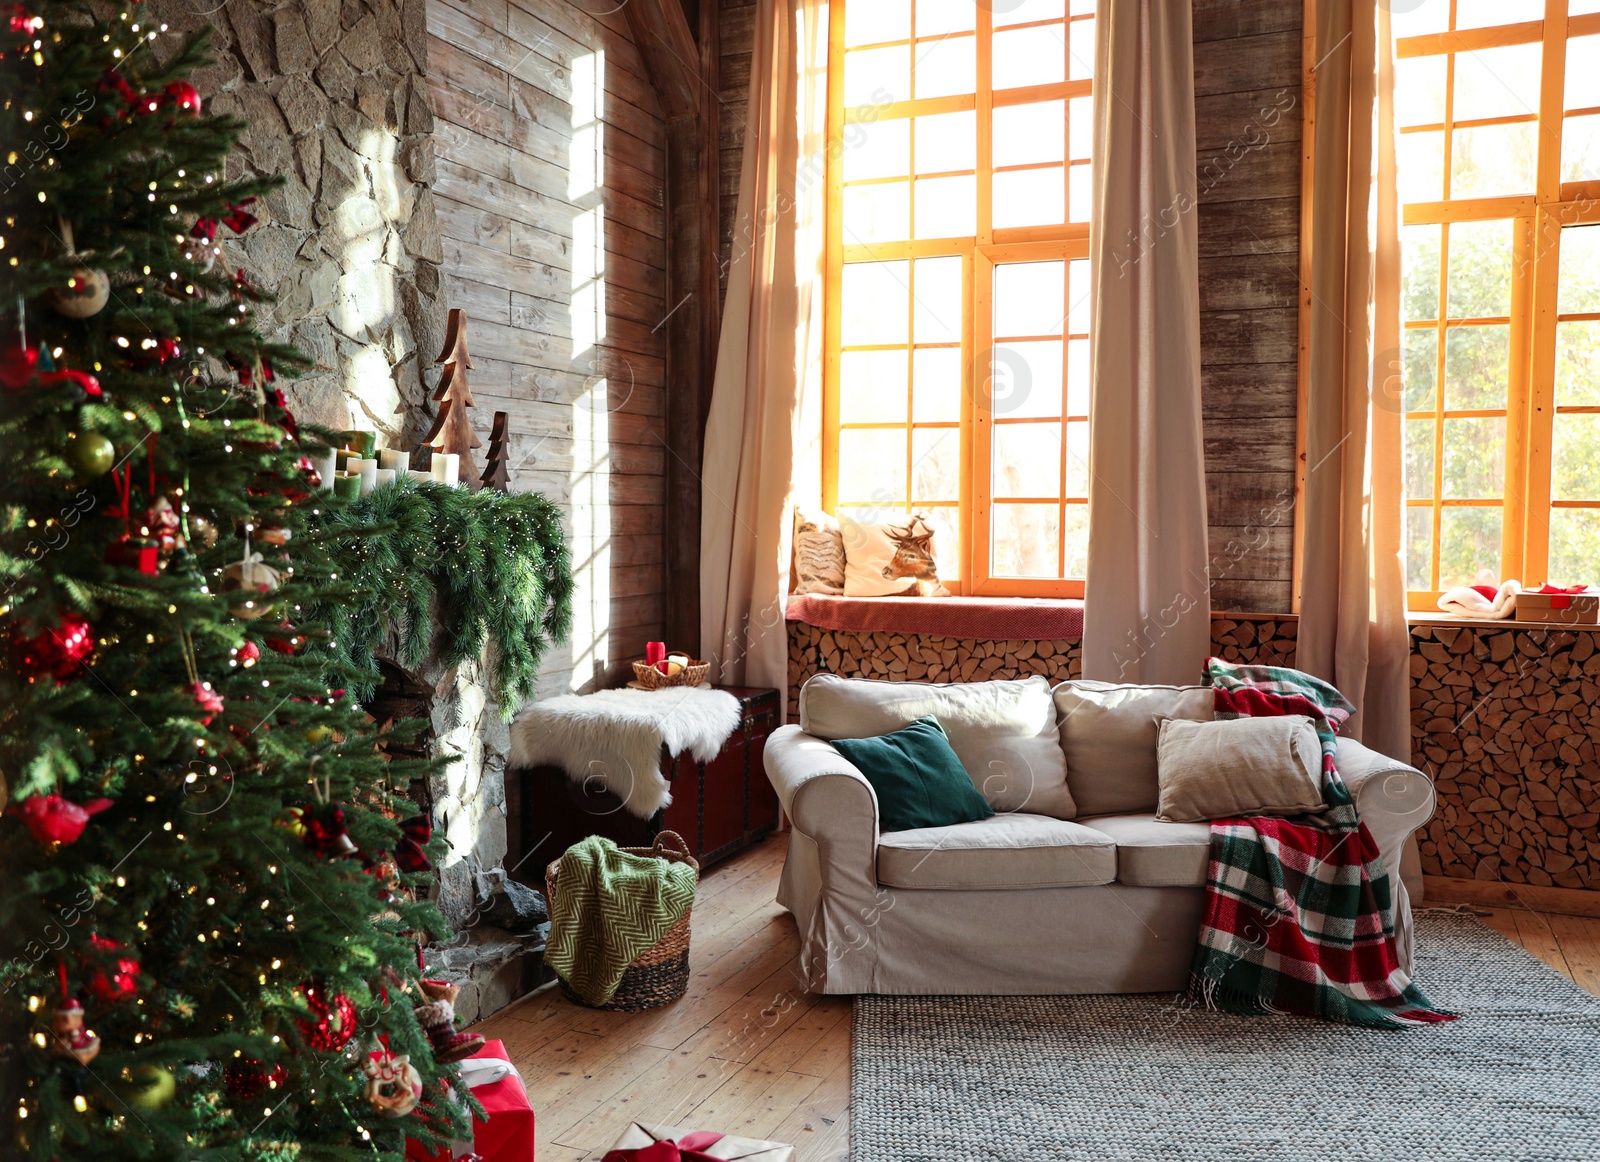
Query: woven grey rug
(986, 1079)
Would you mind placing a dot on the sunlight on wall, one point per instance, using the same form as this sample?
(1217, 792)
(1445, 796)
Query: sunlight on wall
(365, 300)
(591, 466)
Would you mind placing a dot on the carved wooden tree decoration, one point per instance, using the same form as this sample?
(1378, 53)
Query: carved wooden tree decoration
(496, 475)
(452, 427)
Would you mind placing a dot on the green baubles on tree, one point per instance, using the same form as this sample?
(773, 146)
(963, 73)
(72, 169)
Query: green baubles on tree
(211, 913)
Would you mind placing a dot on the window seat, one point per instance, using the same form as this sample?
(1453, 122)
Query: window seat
(980, 618)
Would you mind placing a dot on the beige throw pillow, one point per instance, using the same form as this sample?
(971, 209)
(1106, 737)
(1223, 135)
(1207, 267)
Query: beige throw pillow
(818, 553)
(1238, 766)
(890, 557)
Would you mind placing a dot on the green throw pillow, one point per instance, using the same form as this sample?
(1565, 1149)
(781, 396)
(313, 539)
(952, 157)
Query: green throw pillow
(919, 780)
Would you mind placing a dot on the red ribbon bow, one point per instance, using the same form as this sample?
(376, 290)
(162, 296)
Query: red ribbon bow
(689, 1149)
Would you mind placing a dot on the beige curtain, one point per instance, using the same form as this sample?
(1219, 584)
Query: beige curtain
(1147, 602)
(1352, 607)
(768, 375)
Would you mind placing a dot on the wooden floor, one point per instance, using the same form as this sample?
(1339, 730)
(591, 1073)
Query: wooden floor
(748, 1051)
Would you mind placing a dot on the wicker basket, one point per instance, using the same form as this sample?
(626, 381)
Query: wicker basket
(661, 975)
(653, 679)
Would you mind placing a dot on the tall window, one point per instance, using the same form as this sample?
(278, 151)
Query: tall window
(957, 378)
(1499, 156)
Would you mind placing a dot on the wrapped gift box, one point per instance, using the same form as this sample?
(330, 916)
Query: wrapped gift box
(508, 1134)
(1559, 608)
(642, 1136)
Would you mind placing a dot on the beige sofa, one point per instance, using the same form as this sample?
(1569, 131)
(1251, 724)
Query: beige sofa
(1072, 887)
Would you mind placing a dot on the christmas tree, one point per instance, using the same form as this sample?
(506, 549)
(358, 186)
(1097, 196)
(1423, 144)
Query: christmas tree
(211, 917)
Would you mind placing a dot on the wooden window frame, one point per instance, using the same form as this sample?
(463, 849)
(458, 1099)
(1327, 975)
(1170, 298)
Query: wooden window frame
(979, 254)
(1537, 220)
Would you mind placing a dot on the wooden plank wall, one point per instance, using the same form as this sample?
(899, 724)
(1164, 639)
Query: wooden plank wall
(1247, 119)
(738, 30)
(1247, 133)
(551, 162)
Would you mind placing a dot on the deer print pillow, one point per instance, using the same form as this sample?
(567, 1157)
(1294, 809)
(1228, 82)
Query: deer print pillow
(890, 557)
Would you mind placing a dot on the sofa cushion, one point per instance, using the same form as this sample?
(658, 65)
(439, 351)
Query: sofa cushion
(918, 779)
(1153, 854)
(1003, 732)
(1108, 736)
(1239, 766)
(1005, 851)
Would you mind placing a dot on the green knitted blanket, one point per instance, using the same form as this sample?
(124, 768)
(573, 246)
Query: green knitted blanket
(608, 909)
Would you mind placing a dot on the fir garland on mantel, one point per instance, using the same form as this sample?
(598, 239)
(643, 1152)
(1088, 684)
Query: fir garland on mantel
(446, 571)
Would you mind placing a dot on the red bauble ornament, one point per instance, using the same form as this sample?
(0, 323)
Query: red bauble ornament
(207, 699)
(52, 819)
(332, 1022)
(122, 982)
(60, 651)
(248, 1079)
(183, 96)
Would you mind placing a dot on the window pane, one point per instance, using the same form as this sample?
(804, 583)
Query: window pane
(1574, 545)
(947, 141)
(1491, 160)
(946, 67)
(1028, 380)
(1078, 296)
(877, 149)
(938, 17)
(936, 397)
(946, 522)
(1419, 459)
(1497, 82)
(1421, 369)
(1474, 458)
(1580, 270)
(1080, 116)
(1477, 363)
(1419, 548)
(1030, 56)
(1486, 13)
(1077, 459)
(874, 300)
(1029, 197)
(1583, 73)
(1028, 298)
(1030, 133)
(1480, 270)
(1080, 45)
(935, 464)
(872, 387)
(1076, 532)
(1419, 17)
(1027, 460)
(1420, 166)
(938, 297)
(1469, 549)
(1580, 149)
(877, 213)
(946, 207)
(1025, 11)
(1419, 252)
(1024, 539)
(1419, 83)
(1080, 192)
(1578, 364)
(877, 22)
(872, 465)
(1078, 377)
(1575, 472)
(872, 74)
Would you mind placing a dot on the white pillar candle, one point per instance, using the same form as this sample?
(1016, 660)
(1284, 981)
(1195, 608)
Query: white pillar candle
(420, 477)
(396, 462)
(326, 466)
(385, 477)
(447, 468)
(366, 469)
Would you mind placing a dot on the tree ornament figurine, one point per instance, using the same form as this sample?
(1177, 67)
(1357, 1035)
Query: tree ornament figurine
(394, 1087)
(452, 428)
(85, 292)
(68, 1037)
(54, 821)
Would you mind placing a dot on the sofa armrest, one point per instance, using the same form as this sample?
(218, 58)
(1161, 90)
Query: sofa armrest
(1393, 799)
(824, 796)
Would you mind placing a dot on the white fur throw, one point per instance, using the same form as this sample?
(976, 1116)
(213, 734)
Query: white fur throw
(614, 737)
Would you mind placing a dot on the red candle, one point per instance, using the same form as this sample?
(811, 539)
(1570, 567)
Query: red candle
(655, 652)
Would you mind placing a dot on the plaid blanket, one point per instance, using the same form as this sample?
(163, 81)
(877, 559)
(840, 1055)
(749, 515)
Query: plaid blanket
(1299, 917)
